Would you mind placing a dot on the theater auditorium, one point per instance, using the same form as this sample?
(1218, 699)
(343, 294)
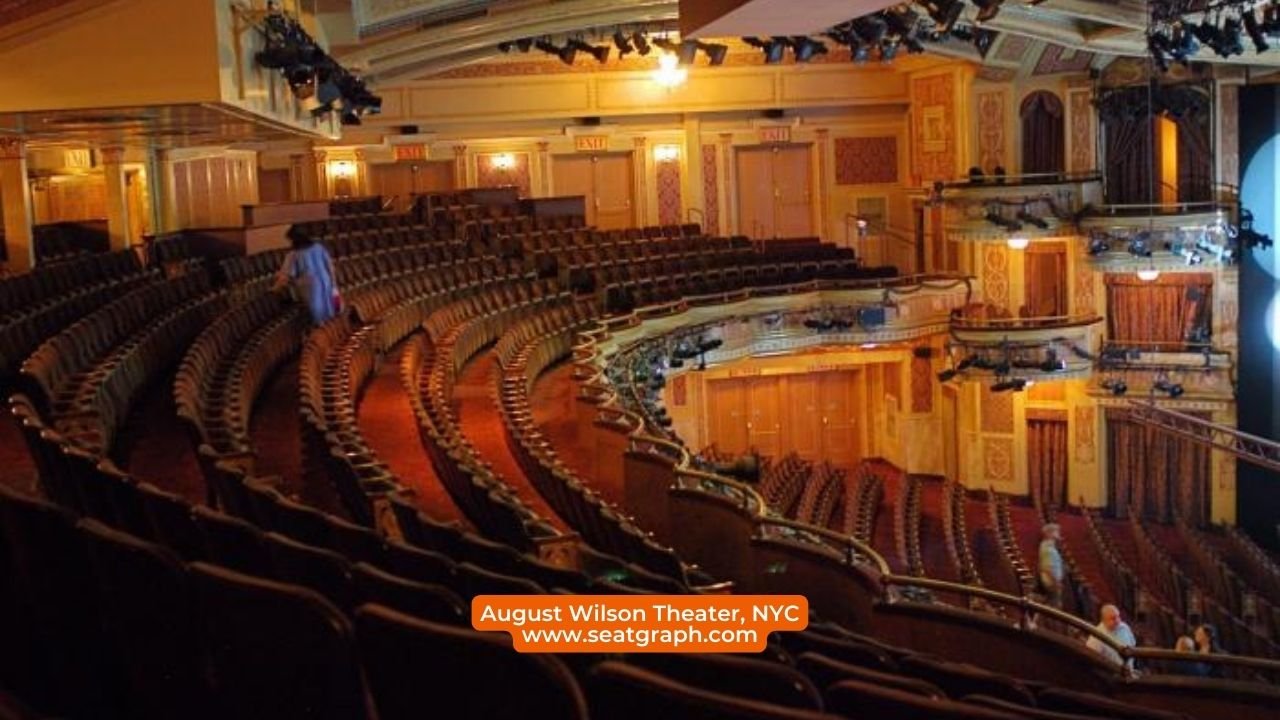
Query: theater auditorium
(956, 322)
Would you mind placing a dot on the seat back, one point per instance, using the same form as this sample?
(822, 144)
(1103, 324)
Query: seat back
(826, 672)
(72, 668)
(275, 650)
(435, 603)
(742, 677)
(859, 699)
(324, 571)
(149, 613)
(619, 691)
(394, 647)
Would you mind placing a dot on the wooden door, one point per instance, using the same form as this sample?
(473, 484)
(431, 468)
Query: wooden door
(793, 207)
(274, 186)
(1046, 280)
(804, 418)
(755, 192)
(840, 425)
(575, 175)
(727, 415)
(765, 416)
(433, 176)
(613, 191)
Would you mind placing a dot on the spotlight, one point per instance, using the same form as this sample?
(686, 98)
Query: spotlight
(568, 54)
(888, 50)
(1117, 386)
(1255, 31)
(302, 80)
(871, 28)
(1053, 363)
(1030, 219)
(861, 53)
(967, 362)
(1165, 386)
(997, 219)
(524, 44)
(623, 43)
(1098, 245)
(687, 52)
(665, 44)
(1232, 41)
(505, 46)
(716, 53)
(944, 13)
(987, 9)
(599, 52)
(947, 375)
(805, 48)
(982, 40)
(546, 46)
(641, 42)
(1014, 384)
(1138, 245)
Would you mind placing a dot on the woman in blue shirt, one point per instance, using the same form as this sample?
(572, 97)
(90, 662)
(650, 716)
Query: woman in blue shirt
(310, 268)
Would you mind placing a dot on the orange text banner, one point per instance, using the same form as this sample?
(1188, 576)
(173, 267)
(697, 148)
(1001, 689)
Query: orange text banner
(639, 623)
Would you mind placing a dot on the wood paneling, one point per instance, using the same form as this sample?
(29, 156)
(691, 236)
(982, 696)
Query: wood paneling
(274, 186)
(209, 192)
(605, 180)
(775, 198)
(819, 415)
(402, 180)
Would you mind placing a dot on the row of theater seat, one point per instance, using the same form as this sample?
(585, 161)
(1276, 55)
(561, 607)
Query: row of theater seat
(1006, 536)
(1176, 586)
(956, 534)
(525, 350)
(223, 371)
(906, 525)
(862, 506)
(144, 631)
(36, 316)
(49, 282)
(1243, 598)
(86, 377)
(1159, 624)
(1253, 562)
(822, 493)
(782, 481)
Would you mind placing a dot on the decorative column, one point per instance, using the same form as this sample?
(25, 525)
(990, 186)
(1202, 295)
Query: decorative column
(19, 239)
(459, 167)
(691, 180)
(730, 185)
(118, 231)
(544, 170)
(363, 185)
(297, 177)
(320, 161)
(641, 213)
(161, 191)
(820, 187)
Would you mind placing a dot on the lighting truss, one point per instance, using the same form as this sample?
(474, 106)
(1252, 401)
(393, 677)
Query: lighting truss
(1250, 448)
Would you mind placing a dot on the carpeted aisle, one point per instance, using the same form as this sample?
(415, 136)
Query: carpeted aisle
(387, 422)
(19, 469)
(155, 446)
(553, 402)
(478, 418)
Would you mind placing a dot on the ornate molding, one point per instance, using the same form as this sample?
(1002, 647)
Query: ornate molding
(12, 148)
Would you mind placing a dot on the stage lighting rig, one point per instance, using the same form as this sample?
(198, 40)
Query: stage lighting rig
(995, 218)
(1116, 386)
(1032, 220)
(1010, 384)
(1170, 388)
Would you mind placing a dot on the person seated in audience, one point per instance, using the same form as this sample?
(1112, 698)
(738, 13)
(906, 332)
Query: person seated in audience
(1206, 643)
(1118, 630)
(309, 268)
(1189, 667)
(1052, 571)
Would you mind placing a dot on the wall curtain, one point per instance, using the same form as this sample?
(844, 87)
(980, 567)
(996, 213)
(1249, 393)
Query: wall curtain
(1127, 115)
(1155, 474)
(1166, 310)
(1047, 461)
(1043, 148)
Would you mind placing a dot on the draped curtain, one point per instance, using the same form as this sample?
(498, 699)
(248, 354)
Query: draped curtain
(1047, 461)
(1166, 310)
(1154, 473)
(1043, 149)
(1127, 115)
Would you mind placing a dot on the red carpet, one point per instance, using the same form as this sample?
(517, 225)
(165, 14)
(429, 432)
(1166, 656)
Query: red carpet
(19, 469)
(390, 429)
(554, 405)
(478, 416)
(155, 446)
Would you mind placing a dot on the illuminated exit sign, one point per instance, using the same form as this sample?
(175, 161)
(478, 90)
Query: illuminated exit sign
(591, 143)
(775, 134)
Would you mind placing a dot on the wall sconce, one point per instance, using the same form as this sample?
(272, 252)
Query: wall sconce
(666, 153)
(342, 169)
(502, 161)
(1018, 243)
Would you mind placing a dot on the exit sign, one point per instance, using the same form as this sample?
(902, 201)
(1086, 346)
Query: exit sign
(775, 134)
(411, 152)
(591, 143)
